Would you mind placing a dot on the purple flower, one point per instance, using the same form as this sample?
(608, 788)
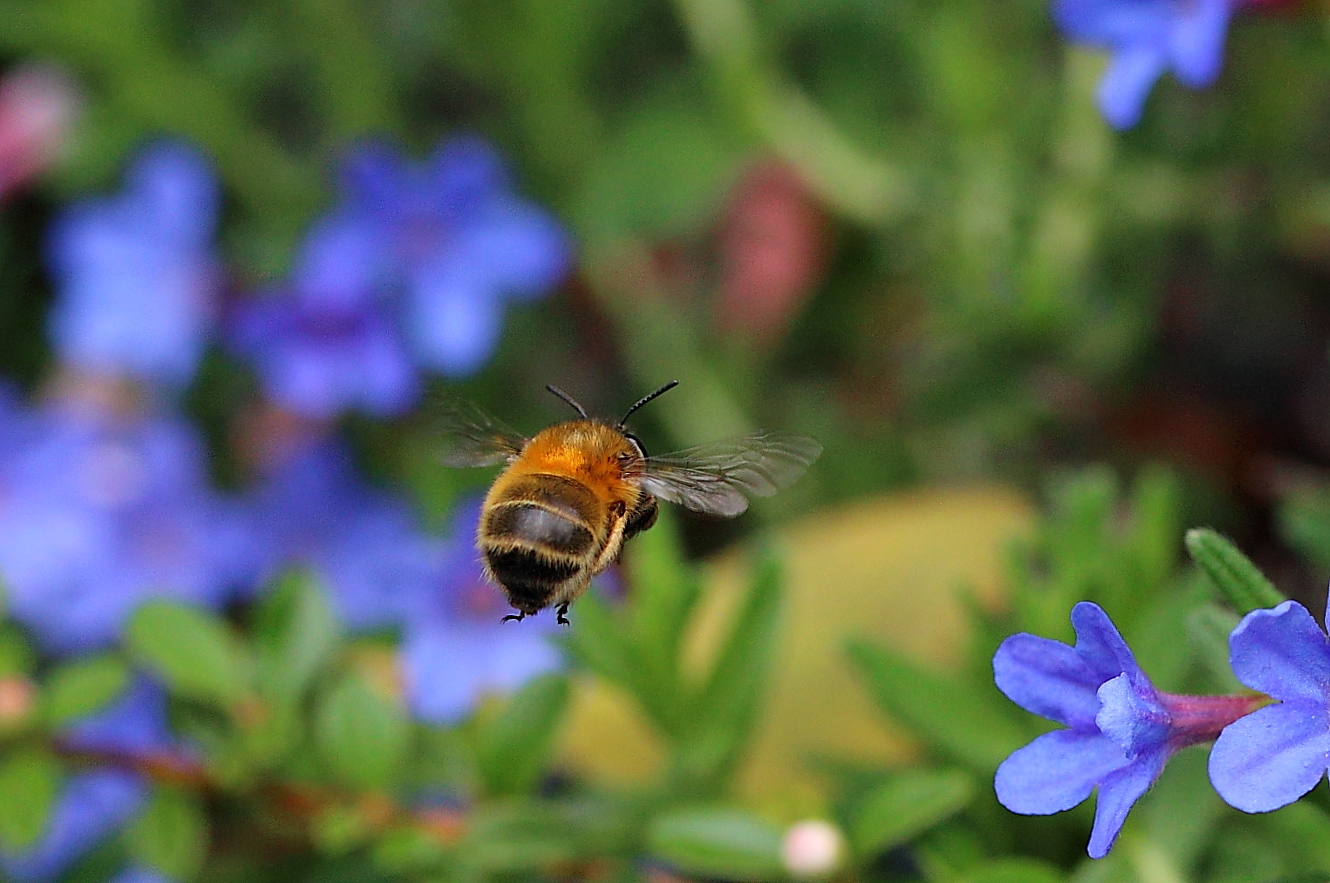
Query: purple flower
(99, 512)
(135, 275)
(456, 646)
(364, 545)
(1273, 756)
(330, 344)
(1147, 38)
(1120, 729)
(94, 804)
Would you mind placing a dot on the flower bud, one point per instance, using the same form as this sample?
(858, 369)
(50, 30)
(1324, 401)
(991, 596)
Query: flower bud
(812, 849)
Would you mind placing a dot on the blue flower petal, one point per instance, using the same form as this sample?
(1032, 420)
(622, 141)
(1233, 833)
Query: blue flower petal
(1283, 653)
(1117, 794)
(516, 246)
(341, 264)
(139, 874)
(1047, 678)
(1131, 717)
(1108, 23)
(444, 672)
(1131, 75)
(1056, 771)
(455, 318)
(1271, 757)
(179, 188)
(1196, 41)
(1100, 645)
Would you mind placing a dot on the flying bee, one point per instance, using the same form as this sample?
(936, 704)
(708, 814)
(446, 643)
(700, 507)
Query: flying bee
(570, 496)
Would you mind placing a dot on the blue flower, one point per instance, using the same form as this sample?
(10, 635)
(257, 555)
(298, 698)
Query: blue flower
(457, 239)
(1120, 729)
(331, 344)
(456, 647)
(93, 805)
(1277, 754)
(136, 276)
(364, 545)
(1147, 38)
(99, 512)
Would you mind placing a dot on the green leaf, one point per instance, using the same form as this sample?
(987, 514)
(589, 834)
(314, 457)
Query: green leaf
(16, 654)
(518, 836)
(665, 592)
(191, 650)
(171, 834)
(29, 782)
(296, 634)
(721, 716)
(361, 734)
(80, 688)
(950, 714)
(908, 804)
(514, 747)
(1232, 573)
(724, 843)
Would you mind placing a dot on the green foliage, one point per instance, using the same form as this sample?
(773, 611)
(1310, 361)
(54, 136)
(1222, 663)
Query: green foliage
(1237, 580)
(30, 779)
(82, 687)
(720, 843)
(906, 805)
(170, 835)
(193, 652)
(362, 735)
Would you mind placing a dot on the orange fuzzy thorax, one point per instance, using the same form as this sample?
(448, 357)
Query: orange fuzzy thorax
(586, 451)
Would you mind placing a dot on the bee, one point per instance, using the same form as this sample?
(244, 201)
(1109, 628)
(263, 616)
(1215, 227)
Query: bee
(574, 493)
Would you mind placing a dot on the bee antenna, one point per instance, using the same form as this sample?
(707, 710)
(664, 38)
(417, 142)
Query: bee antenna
(567, 398)
(646, 398)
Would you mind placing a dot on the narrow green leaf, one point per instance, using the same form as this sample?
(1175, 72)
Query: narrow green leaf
(80, 688)
(515, 836)
(191, 650)
(361, 734)
(722, 715)
(514, 747)
(295, 633)
(724, 843)
(950, 714)
(29, 782)
(907, 805)
(665, 591)
(1238, 580)
(170, 835)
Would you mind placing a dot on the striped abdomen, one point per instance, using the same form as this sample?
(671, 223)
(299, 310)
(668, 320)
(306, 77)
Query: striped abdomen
(539, 535)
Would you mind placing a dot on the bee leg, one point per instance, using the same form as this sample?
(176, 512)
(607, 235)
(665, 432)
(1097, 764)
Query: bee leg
(563, 608)
(515, 617)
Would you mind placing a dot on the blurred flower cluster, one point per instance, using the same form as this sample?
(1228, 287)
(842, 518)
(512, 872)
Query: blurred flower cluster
(106, 496)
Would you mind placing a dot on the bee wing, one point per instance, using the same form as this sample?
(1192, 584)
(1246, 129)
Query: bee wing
(472, 437)
(719, 478)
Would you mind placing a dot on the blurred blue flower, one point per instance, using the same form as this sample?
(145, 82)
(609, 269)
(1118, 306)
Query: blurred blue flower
(139, 874)
(330, 344)
(1146, 39)
(93, 805)
(99, 512)
(1120, 729)
(456, 647)
(1275, 755)
(458, 238)
(364, 545)
(135, 275)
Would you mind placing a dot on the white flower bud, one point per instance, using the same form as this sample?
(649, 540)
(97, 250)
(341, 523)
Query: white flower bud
(812, 849)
